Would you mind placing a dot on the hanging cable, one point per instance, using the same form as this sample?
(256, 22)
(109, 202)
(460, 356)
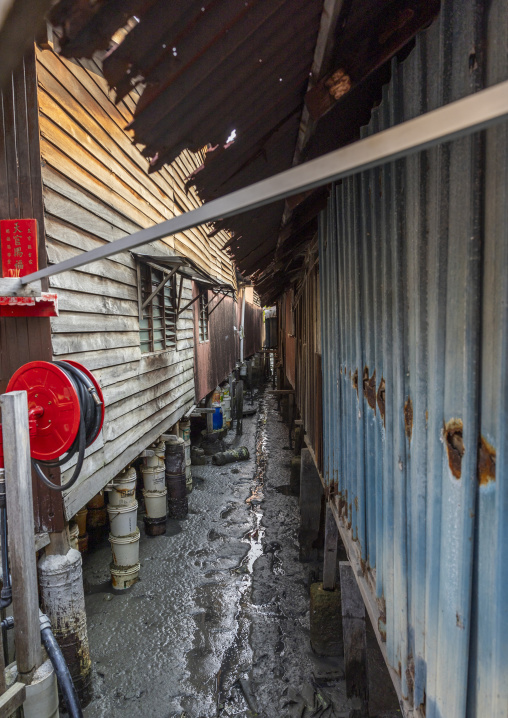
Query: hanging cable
(89, 424)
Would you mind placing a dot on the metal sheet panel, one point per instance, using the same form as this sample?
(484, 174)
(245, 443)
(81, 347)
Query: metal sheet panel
(414, 297)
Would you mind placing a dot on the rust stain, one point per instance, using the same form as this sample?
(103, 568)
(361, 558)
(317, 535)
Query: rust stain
(408, 417)
(338, 84)
(454, 442)
(381, 398)
(369, 387)
(410, 675)
(486, 462)
(356, 503)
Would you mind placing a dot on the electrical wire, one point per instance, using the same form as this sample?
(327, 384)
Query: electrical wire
(90, 415)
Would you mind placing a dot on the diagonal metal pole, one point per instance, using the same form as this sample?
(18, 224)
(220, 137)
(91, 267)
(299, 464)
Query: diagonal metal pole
(457, 119)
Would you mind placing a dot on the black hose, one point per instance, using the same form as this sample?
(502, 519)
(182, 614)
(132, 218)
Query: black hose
(89, 422)
(6, 592)
(61, 669)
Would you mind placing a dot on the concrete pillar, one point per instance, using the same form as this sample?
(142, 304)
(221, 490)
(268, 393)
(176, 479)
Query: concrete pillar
(299, 436)
(63, 601)
(325, 621)
(311, 493)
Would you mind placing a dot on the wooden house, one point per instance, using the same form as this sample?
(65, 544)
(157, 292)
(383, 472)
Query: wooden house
(154, 350)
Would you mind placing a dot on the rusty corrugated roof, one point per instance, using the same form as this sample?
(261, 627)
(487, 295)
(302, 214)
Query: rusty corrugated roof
(205, 68)
(208, 68)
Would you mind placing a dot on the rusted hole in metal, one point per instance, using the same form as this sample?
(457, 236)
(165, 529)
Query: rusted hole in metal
(486, 462)
(354, 380)
(408, 417)
(473, 62)
(338, 84)
(381, 398)
(454, 445)
(369, 388)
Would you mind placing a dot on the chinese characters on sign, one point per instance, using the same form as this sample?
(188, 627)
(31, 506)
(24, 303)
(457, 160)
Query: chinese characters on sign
(19, 247)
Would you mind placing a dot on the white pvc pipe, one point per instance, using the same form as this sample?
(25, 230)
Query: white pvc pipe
(242, 327)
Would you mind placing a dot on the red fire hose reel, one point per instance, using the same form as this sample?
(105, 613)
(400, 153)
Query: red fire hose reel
(65, 410)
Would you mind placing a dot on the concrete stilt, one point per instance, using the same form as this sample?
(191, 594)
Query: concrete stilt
(355, 638)
(63, 601)
(294, 478)
(325, 621)
(299, 436)
(311, 492)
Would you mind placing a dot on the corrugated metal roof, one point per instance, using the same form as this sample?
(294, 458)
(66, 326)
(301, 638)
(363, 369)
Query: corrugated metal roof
(208, 68)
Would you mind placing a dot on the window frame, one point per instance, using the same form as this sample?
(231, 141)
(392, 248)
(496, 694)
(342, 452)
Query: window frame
(203, 316)
(164, 301)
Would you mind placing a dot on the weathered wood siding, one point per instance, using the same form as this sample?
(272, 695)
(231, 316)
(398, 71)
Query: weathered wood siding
(96, 189)
(24, 339)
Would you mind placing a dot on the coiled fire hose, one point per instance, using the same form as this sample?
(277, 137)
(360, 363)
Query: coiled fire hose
(89, 425)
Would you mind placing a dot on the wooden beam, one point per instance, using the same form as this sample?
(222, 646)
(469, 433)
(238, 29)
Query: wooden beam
(20, 518)
(330, 558)
(355, 635)
(179, 295)
(12, 699)
(394, 28)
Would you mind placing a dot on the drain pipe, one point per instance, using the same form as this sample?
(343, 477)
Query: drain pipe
(242, 327)
(57, 661)
(61, 669)
(6, 593)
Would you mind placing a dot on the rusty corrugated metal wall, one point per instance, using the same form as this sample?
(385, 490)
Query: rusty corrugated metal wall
(253, 341)
(414, 290)
(215, 358)
(308, 383)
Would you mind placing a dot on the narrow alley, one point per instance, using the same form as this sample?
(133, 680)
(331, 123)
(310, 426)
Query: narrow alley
(254, 358)
(218, 624)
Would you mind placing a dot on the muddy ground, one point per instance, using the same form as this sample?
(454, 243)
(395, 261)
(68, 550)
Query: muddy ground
(218, 624)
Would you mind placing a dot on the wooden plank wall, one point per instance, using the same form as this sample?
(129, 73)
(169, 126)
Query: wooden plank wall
(25, 339)
(96, 189)
(308, 375)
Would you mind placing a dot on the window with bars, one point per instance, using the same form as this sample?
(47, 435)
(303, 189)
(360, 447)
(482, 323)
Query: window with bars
(157, 326)
(203, 316)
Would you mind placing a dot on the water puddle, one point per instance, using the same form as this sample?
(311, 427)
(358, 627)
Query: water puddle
(232, 694)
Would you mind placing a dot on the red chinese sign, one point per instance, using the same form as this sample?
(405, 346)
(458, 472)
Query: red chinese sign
(19, 247)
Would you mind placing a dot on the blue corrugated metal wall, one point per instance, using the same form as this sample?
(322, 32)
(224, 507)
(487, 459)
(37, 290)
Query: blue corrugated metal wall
(414, 307)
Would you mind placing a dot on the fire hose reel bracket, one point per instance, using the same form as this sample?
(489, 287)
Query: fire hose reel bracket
(53, 404)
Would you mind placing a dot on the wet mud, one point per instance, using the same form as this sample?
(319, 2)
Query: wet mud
(218, 625)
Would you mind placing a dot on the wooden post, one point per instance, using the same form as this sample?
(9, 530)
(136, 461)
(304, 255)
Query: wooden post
(311, 492)
(239, 407)
(209, 414)
(330, 560)
(355, 636)
(20, 518)
(291, 414)
(249, 376)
